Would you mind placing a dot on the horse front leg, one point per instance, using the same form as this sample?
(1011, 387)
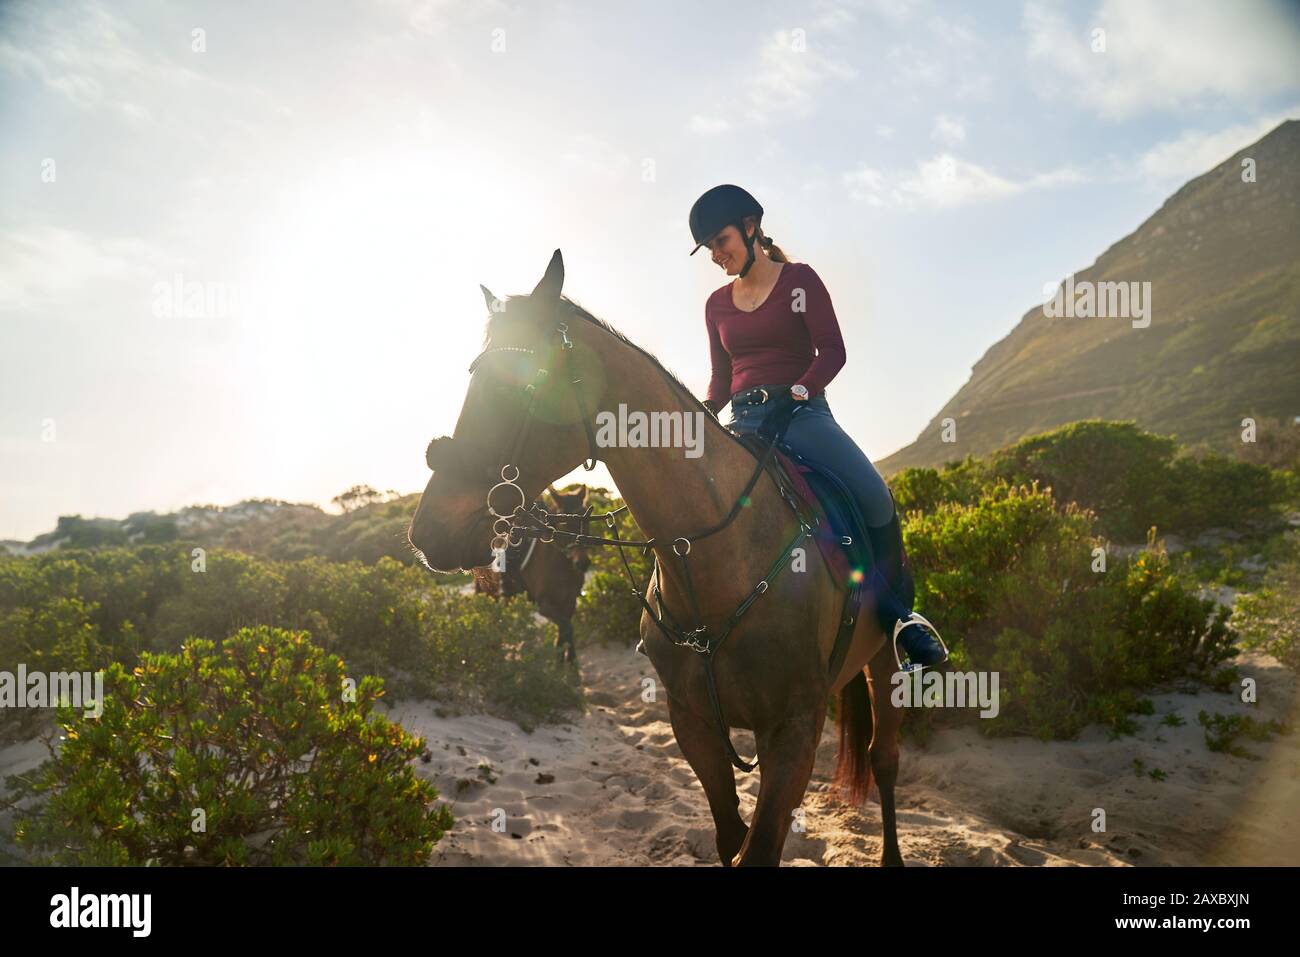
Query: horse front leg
(702, 745)
(786, 753)
(564, 642)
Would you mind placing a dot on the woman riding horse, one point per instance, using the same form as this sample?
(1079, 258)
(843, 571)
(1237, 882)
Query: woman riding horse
(775, 344)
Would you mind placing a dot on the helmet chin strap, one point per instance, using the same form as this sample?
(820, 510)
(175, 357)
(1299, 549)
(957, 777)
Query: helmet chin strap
(749, 244)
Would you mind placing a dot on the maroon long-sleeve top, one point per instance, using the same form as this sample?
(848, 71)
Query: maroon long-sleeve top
(792, 337)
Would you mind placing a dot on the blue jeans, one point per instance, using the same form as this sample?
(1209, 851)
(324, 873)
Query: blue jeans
(814, 434)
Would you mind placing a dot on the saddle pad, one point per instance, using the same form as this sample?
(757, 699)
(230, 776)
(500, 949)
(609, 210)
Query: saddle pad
(832, 522)
(789, 473)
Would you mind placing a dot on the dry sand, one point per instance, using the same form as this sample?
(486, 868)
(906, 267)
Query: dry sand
(613, 788)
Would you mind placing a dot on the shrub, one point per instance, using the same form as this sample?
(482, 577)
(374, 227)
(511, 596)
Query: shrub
(259, 739)
(1113, 468)
(1212, 490)
(84, 609)
(1269, 618)
(608, 610)
(1009, 580)
(494, 653)
(1129, 478)
(234, 591)
(1222, 731)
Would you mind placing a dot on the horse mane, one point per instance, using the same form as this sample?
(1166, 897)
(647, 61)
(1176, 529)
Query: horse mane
(666, 374)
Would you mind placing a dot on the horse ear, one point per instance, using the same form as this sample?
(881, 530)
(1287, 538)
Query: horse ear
(493, 304)
(553, 282)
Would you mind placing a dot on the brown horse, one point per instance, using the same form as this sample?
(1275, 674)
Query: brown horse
(551, 575)
(771, 675)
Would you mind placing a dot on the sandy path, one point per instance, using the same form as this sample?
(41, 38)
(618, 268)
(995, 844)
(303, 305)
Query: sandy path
(613, 788)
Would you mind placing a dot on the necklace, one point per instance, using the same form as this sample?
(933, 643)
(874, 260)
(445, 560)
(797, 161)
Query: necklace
(746, 305)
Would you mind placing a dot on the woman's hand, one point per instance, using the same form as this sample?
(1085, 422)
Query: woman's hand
(781, 409)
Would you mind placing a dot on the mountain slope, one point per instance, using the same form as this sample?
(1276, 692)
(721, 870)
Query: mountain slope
(1223, 260)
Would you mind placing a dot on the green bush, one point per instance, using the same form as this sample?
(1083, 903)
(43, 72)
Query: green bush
(232, 592)
(608, 610)
(248, 755)
(495, 654)
(1212, 490)
(80, 610)
(1113, 468)
(925, 489)
(73, 531)
(1222, 731)
(1269, 618)
(1131, 479)
(1010, 582)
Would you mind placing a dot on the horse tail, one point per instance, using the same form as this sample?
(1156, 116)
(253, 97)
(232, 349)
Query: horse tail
(852, 777)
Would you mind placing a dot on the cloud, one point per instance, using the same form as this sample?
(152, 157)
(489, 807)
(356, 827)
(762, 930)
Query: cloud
(592, 153)
(48, 267)
(1155, 58)
(435, 17)
(941, 52)
(708, 125)
(790, 75)
(1195, 152)
(946, 181)
(896, 11)
(912, 67)
(833, 16)
(948, 131)
(87, 54)
(866, 185)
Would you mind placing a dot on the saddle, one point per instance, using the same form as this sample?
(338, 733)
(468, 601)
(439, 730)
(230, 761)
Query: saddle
(841, 531)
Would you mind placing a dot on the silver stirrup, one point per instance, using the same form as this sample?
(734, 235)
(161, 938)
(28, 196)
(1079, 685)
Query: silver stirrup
(916, 617)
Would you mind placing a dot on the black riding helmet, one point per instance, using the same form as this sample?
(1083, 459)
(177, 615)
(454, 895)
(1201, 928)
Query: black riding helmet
(719, 208)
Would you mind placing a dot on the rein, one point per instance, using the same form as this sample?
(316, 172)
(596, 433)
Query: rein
(522, 522)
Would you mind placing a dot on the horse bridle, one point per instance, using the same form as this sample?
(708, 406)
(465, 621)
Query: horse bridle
(537, 522)
(501, 537)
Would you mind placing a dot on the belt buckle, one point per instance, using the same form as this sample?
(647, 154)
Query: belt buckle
(759, 389)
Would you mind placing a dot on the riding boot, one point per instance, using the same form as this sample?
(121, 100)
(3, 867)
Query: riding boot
(891, 558)
(896, 593)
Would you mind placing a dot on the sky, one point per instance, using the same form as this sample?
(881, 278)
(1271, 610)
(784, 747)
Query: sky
(241, 242)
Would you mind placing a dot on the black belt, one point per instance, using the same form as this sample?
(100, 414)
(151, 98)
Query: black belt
(757, 395)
